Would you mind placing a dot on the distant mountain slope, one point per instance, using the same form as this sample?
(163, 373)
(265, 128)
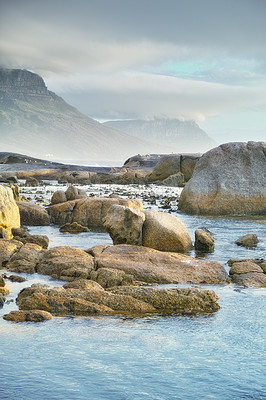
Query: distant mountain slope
(35, 121)
(181, 136)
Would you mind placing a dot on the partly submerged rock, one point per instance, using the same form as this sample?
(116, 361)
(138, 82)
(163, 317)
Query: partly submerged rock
(66, 263)
(28, 316)
(24, 236)
(130, 300)
(249, 240)
(204, 241)
(73, 228)
(248, 273)
(152, 266)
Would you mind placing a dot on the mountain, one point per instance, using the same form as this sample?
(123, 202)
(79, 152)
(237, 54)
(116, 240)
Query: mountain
(35, 121)
(180, 136)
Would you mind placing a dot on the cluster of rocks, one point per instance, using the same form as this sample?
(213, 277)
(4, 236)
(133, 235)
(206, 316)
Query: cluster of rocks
(107, 279)
(248, 272)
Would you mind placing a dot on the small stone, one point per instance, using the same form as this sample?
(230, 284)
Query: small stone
(204, 241)
(74, 228)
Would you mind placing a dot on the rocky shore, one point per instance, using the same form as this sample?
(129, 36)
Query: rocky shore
(150, 247)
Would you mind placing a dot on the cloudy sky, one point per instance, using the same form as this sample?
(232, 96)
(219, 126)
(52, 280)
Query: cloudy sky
(117, 59)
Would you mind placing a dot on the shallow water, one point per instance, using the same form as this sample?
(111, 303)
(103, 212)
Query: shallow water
(219, 356)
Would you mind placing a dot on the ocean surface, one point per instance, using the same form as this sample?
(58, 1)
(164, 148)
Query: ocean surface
(218, 356)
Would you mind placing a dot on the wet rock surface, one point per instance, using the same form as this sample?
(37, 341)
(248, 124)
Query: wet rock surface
(248, 272)
(204, 241)
(28, 316)
(129, 300)
(249, 240)
(152, 266)
(32, 214)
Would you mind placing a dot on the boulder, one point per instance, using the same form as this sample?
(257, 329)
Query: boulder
(165, 232)
(15, 278)
(166, 166)
(249, 240)
(176, 180)
(74, 228)
(228, 180)
(32, 214)
(247, 273)
(58, 197)
(32, 182)
(129, 300)
(88, 211)
(204, 241)
(152, 266)
(66, 263)
(188, 163)
(9, 212)
(24, 236)
(25, 259)
(7, 249)
(124, 224)
(28, 316)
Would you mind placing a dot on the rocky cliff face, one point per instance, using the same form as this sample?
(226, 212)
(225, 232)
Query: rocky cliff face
(180, 136)
(35, 121)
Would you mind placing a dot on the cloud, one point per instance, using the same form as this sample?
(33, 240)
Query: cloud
(133, 94)
(128, 59)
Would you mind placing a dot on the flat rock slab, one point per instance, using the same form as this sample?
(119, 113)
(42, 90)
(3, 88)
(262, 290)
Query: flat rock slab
(129, 300)
(28, 316)
(152, 266)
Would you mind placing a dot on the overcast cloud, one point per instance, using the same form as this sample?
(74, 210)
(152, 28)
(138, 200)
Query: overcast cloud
(193, 59)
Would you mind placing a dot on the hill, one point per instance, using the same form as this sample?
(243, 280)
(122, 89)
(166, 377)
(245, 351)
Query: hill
(35, 121)
(180, 136)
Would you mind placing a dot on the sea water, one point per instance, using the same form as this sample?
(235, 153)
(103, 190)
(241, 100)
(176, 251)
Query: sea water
(218, 356)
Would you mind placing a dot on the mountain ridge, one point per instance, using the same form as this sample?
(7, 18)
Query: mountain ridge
(35, 121)
(182, 136)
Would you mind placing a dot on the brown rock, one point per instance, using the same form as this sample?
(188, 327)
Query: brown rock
(25, 259)
(2, 282)
(124, 224)
(83, 284)
(88, 211)
(66, 263)
(152, 266)
(2, 300)
(7, 249)
(58, 197)
(188, 163)
(204, 241)
(28, 316)
(165, 232)
(33, 214)
(108, 277)
(74, 228)
(173, 300)
(166, 166)
(176, 180)
(250, 279)
(9, 212)
(24, 236)
(245, 267)
(62, 301)
(249, 240)
(97, 250)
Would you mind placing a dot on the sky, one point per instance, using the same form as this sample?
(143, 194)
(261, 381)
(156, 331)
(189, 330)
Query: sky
(203, 60)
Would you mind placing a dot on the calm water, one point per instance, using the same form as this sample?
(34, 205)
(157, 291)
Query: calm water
(221, 356)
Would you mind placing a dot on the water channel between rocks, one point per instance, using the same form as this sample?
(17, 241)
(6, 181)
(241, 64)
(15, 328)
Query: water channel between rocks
(219, 356)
